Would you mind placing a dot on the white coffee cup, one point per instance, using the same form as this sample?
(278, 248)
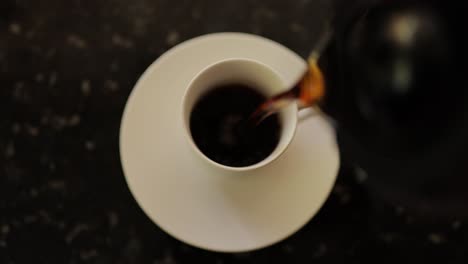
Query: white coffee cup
(250, 73)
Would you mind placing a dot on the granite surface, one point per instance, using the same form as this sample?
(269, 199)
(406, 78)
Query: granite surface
(66, 70)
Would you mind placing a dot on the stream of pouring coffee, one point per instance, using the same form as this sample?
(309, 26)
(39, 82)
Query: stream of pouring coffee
(306, 92)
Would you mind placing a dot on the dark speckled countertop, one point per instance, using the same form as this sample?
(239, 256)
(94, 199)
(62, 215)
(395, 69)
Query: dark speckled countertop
(66, 70)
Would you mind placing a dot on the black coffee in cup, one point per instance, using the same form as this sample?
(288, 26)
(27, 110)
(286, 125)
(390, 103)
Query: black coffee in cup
(220, 127)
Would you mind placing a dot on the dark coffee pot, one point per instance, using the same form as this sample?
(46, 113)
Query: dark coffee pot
(396, 74)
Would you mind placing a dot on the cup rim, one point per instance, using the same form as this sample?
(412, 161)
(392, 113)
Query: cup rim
(188, 134)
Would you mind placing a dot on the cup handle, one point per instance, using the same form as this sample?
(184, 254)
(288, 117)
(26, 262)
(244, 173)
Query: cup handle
(307, 112)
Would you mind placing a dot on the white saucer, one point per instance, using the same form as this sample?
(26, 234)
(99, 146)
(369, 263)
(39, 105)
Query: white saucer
(193, 201)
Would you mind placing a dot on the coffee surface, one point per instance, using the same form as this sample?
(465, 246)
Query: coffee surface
(220, 126)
